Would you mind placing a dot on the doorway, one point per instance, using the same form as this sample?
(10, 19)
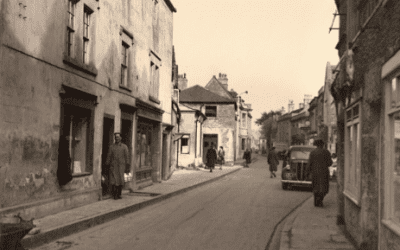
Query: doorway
(164, 163)
(108, 139)
(207, 140)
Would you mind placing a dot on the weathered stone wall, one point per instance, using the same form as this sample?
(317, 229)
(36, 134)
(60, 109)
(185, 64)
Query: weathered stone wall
(373, 48)
(33, 71)
(223, 125)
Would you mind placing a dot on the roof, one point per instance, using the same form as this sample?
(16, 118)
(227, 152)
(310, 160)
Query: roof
(198, 94)
(214, 81)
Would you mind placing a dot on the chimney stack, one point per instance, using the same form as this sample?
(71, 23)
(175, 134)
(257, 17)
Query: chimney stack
(223, 80)
(182, 82)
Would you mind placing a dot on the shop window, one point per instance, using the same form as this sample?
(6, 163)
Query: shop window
(144, 145)
(76, 130)
(392, 152)
(211, 111)
(353, 153)
(185, 144)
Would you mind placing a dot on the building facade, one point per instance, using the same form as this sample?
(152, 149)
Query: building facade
(219, 125)
(73, 72)
(366, 93)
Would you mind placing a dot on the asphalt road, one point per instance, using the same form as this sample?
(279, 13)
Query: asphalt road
(240, 211)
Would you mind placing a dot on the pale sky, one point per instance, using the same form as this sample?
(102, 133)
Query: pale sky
(275, 49)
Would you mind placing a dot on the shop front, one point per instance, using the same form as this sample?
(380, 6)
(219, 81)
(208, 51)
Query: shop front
(148, 145)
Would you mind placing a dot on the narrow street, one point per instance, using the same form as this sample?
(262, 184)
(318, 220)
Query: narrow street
(239, 211)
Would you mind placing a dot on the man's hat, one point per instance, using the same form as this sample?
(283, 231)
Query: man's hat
(318, 141)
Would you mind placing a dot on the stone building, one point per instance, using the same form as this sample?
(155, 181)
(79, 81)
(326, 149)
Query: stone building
(284, 132)
(72, 73)
(220, 111)
(366, 93)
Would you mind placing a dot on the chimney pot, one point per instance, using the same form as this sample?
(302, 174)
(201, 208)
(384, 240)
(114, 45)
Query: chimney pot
(184, 75)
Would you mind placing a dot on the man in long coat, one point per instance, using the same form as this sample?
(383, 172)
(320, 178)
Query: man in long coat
(273, 162)
(319, 162)
(211, 157)
(118, 162)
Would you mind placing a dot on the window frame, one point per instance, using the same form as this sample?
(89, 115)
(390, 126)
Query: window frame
(391, 109)
(244, 119)
(208, 113)
(187, 138)
(124, 65)
(352, 175)
(154, 80)
(78, 104)
(87, 12)
(71, 10)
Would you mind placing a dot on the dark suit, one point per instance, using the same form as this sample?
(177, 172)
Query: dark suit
(319, 162)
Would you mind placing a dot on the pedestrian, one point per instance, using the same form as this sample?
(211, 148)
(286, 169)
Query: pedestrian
(118, 164)
(273, 162)
(319, 162)
(247, 157)
(211, 157)
(221, 156)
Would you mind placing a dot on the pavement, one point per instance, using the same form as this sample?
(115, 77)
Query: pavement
(310, 227)
(306, 227)
(72, 221)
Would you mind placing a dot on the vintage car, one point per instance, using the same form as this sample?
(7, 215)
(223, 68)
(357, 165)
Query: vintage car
(296, 173)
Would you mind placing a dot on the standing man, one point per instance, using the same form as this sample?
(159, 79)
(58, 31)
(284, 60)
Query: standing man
(211, 157)
(247, 157)
(273, 162)
(221, 156)
(118, 163)
(319, 162)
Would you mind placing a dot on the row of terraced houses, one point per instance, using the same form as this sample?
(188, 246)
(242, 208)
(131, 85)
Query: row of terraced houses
(77, 71)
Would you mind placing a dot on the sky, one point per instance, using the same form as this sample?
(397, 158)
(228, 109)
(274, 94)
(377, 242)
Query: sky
(277, 50)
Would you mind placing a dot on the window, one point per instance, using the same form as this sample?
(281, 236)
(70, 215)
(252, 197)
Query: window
(243, 143)
(124, 65)
(211, 111)
(392, 151)
(154, 79)
(353, 153)
(86, 21)
(185, 144)
(244, 120)
(76, 130)
(144, 145)
(70, 27)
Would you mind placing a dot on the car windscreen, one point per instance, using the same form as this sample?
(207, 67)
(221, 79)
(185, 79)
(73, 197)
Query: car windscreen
(300, 154)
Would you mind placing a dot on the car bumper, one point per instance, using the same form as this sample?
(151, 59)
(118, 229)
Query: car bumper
(297, 183)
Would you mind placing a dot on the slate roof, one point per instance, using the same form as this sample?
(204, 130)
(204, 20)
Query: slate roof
(198, 94)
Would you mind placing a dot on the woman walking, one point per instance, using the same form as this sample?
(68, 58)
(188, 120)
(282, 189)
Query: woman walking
(273, 162)
(211, 157)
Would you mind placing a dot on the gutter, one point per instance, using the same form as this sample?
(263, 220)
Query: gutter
(170, 5)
